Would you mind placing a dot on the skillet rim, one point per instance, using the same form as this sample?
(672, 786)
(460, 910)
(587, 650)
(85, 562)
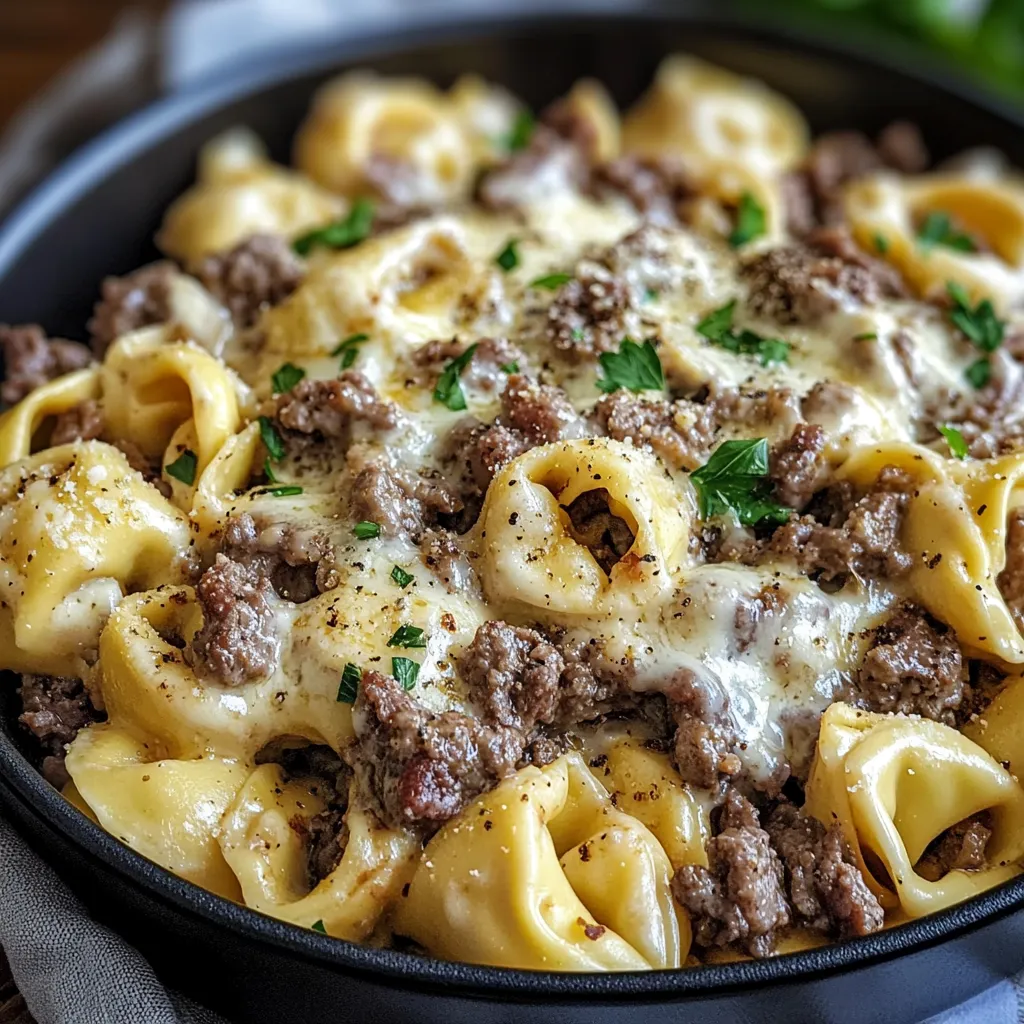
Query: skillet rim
(148, 128)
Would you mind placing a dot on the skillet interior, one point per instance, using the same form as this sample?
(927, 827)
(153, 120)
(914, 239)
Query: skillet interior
(97, 216)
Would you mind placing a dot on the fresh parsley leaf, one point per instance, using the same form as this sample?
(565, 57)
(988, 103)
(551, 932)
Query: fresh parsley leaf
(634, 367)
(750, 221)
(578, 334)
(734, 479)
(717, 328)
(401, 577)
(512, 367)
(349, 685)
(183, 468)
(318, 926)
(268, 471)
(521, 132)
(937, 229)
(650, 295)
(408, 636)
(881, 244)
(508, 258)
(955, 440)
(448, 390)
(271, 439)
(287, 491)
(366, 530)
(980, 323)
(339, 234)
(551, 281)
(286, 377)
(405, 670)
(979, 372)
(866, 336)
(349, 349)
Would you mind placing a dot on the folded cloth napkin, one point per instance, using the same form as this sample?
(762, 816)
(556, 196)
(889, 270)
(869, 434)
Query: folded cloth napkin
(70, 969)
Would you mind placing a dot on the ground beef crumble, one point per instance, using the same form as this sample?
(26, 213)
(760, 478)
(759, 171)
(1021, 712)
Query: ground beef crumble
(139, 299)
(237, 643)
(962, 847)
(740, 897)
(914, 667)
(31, 359)
(489, 367)
(1011, 579)
(328, 408)
(83, 422)
(54, 710)
(259, 272)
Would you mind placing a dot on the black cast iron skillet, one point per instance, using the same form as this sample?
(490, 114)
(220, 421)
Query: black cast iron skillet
(98, 215)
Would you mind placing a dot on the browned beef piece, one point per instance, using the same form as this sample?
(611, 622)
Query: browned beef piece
(798, 467)
(513, 674)
(128, 303)
(607, 535)
(803, 282)
(54, 709)
(826, 889)
(588, 314)
(961, 847)
(901, 147)
(860, 537)
(401, 502)
(31, 359)
(237, 643)
(656, 186)
(739, 897)
(914, 667)
(330, 407)
(684, 432)
(485, 367)
(1011, 579)
(257, 273)
(82, 423)
(705, 738)
(422, 767)
(298, 560)
(532, 414)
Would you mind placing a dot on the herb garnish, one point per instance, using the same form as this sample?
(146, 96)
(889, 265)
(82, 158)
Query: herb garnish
(512, 367)
(349, 349)
(937, 229)
(408, 636)
(349, 685)
(286, 377)
(271, 439)
(405, 670)
(717, 328)
(366, 530)
(401, 577)
(955, 440)
(520, 133)
(508, 258)
(339, 234)
(448, 390)
(634, 367)
(981, 325)
(881, 244)
(734, 478)
(318, 926)
(750, 221)
(287, 491)
(551, 281)
(866, 336)
(183, 468)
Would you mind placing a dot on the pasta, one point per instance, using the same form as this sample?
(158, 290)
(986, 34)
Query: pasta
(585, 542)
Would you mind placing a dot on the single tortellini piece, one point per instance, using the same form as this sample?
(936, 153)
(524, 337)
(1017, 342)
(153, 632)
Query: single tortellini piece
(535, 554)
(725, 129)
(21, 425)
(887, 211)
(544, 873)
(954, 528)
(78, 529)
(168, 810)
(896, 783)
(998, 728)
(400, 138)
(240, 193)
(155, 383)
(267, 852)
